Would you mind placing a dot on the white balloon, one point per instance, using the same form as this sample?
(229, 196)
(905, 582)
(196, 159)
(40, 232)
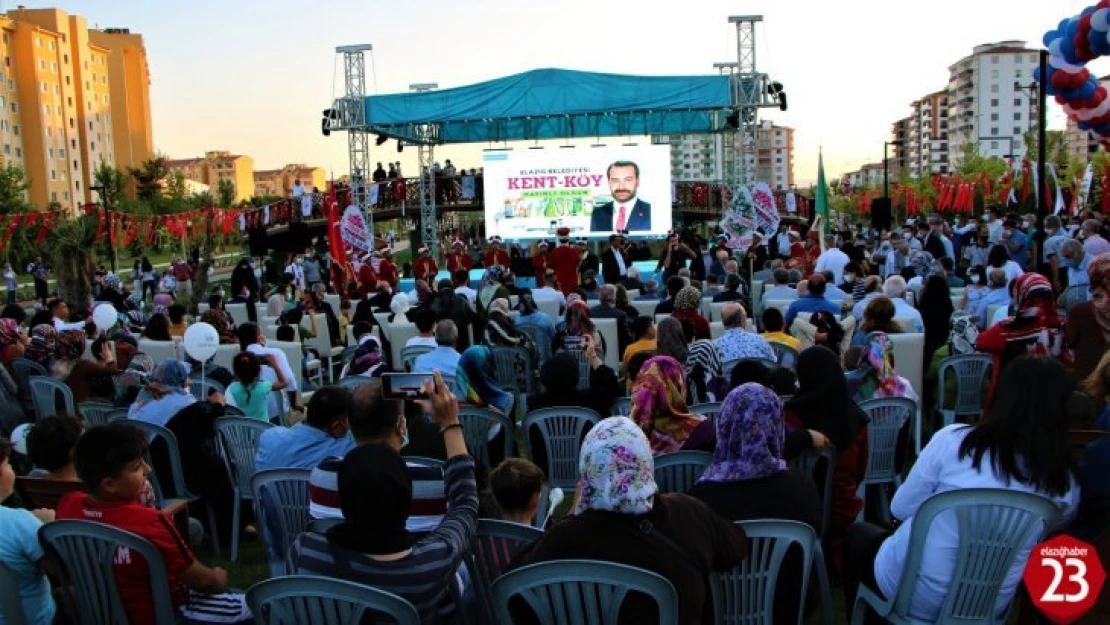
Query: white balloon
(201, 341)
(1054, 47)
(1100, 20)
(105, 316)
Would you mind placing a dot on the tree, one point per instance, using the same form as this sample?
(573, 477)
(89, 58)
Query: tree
(972, 163)
(71, 255)
(225, 191)
(149, 177)
(111, 181)
(13, 187)
(175, 186)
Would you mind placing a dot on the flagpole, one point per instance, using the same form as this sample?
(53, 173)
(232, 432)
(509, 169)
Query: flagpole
(1042, 158)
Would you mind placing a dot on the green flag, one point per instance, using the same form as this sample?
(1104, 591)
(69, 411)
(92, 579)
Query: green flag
(821, 196)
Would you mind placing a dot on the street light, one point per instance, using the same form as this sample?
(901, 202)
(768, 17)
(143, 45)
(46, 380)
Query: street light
(886, 165)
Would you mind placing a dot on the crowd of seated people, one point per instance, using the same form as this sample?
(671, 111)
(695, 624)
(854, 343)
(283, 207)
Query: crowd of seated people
(404, 525)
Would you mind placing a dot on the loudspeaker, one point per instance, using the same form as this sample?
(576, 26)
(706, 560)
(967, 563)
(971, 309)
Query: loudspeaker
(880, 213)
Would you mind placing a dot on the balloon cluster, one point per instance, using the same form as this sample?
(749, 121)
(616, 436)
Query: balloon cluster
(1073, 43)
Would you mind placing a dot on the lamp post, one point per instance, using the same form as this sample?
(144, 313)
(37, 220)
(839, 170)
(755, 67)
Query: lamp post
(886, 166)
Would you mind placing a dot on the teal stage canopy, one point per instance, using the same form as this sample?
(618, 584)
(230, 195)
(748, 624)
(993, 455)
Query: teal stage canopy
(556, 104)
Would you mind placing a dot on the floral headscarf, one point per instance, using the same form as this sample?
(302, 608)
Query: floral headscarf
(112, 281)
(1034, 298)
(876, 374)
(659, 405)
(924, 265)
(1099, 272)
(688, 298)
(218, 320)
(167, 378)
(618, 472)
(750, 436)
(70, 344)
(9, 332)
(44, 338)
(134, 375)
(493, 275)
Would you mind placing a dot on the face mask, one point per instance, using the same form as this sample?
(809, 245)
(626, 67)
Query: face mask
(1027, 224)
(849, 277)
(974, 279)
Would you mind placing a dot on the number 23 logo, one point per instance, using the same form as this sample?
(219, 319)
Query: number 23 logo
(1078, 577)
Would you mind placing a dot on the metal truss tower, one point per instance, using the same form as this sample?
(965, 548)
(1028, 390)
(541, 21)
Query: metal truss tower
(428, 135)
(748, 90)
(351, 110)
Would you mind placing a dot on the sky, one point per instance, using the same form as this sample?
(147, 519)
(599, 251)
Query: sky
(252, 76)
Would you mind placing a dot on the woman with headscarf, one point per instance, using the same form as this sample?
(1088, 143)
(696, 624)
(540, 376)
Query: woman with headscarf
(163, 395)
(217, 319)
(112, 292)
(500, 329)
(705, 373)
(750, 480)
(1088, 326)
(659, 407)
(13, 343)
(135, 367)
(133, 314)
(1037, 329)
(242, 277)
(619, 516)
(87, 379)
(490, 289)
(531, 316)
(687, 304)
(40, 349)
(873, 375)
(821, 413)
(671, 338)
(399, 307)
(476, 383)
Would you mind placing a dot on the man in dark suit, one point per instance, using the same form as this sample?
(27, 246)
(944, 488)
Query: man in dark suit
(614, 262)
(626, 211)
(607, 309)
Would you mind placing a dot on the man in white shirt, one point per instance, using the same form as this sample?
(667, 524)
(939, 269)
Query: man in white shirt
(996, 227)
(60, 311)
(252, 340)
(832, 259)
(548, 292)
(895, 289)
(781, 290)
(296, 272)
(782, 242)
(461, 279)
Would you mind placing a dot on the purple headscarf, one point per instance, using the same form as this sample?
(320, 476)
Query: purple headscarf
(750, 438)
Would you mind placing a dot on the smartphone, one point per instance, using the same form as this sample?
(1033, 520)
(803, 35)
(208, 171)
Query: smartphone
(405, 385)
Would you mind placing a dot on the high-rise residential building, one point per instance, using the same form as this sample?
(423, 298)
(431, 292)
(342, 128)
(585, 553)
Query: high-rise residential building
(698, 158)
(129, 92)
(989, 103)
(58, 104)
(219, 165)
(925, 141)
(710, 157)
(279, 182)
(868, 176)
(899, 154)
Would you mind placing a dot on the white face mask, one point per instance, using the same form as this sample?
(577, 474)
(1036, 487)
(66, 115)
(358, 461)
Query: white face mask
(974, 279)
(849, 277)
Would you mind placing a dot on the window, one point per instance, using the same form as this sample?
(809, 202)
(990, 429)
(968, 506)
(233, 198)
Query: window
(51, 44)
(42, 65)
(18, 152)
(65, 196)
(73, 144)
(53, 175)
(994, 73)
(57, 89)
(67, 81)
(65, 59)
(75, 165)
(105, 97)
(994, 131)
(8, 149)
(71, 123)
(994, 88)
(15, 130)
(61, 152)
(994, 59)
(44, 87)
(1017, 117)
(15, 107)
(54, 66)
(78, 182)
(1017, 101)
(50, 151)
(53, 196)
(90, 125)
(994, 117)
(1017, 130)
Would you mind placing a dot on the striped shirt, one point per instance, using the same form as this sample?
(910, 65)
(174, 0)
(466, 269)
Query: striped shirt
(429, 502)
(425, 576)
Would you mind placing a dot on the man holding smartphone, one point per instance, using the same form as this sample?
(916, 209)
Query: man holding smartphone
(376, 493)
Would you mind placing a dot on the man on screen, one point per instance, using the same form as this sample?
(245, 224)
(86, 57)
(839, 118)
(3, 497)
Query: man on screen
(626, 212)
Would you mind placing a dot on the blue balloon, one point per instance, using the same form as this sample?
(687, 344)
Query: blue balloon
(1087, 11)
(1099, 44)
(1084, 125)
(1085, 92)
(1102, 129)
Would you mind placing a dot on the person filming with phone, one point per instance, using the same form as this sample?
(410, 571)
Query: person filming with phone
(374, 490)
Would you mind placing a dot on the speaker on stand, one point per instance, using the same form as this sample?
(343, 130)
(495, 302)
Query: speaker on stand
(880, 214)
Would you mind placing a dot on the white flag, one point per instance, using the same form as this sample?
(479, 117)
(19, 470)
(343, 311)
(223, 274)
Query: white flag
(1060, 206)
(1085, 190)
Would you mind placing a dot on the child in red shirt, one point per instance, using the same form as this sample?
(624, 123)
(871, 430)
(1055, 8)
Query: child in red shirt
(110, 461)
